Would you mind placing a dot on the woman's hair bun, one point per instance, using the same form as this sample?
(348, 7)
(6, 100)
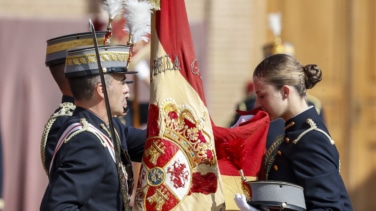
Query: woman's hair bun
(313, 75)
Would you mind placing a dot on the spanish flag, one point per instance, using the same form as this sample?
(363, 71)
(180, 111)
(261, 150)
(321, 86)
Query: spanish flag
(179, 170)
(240, 151)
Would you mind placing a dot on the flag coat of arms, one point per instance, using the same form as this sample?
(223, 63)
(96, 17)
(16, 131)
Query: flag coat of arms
(179, 170)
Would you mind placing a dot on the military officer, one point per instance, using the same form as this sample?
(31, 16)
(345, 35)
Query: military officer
(55, 60)
(85, 172)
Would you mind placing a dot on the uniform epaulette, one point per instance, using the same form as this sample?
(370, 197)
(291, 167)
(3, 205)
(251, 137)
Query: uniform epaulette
(65, 109)
(313, 126)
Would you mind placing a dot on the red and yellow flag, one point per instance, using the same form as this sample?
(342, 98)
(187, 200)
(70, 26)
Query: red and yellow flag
(179, 169)
(241, 148)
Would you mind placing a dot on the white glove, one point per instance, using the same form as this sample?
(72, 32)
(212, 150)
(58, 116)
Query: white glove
(241, 202)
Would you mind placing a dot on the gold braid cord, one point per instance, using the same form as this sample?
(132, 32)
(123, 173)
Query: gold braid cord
(270, 154)
(66, 109)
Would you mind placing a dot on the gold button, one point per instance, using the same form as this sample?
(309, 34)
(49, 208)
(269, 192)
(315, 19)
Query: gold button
(279, 152)
(287, 140)
(275, 168)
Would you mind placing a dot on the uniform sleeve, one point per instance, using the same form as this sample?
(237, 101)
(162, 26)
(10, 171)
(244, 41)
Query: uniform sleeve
(316, 165)
(78, 168)
(136, 139)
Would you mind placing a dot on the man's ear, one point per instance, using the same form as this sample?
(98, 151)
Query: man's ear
(99, 90)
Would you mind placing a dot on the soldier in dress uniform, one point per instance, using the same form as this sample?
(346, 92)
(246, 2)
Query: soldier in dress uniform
(55, 60)
(85, 171)
(307, 155)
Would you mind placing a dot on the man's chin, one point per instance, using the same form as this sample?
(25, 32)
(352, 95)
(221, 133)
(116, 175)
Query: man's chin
(125, 110)
(120, 113)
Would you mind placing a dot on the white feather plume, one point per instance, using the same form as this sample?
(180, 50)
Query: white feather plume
(113, 7)
(275, 23)
(138, 20)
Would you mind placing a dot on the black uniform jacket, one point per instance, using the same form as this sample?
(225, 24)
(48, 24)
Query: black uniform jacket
(136, 138)
(311, 161)
(84, 175)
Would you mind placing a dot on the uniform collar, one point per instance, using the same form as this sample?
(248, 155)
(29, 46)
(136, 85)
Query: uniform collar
(67, 99)
(89, 116)
(299, 120)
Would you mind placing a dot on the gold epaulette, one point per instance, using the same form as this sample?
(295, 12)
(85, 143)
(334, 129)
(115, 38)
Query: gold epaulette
(66, 109)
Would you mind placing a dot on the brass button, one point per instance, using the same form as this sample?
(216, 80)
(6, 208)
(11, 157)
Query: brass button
(275, 167)
(279, 153)
(287, 140)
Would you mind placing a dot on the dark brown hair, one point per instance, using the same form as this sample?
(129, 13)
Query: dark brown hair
(83, 87)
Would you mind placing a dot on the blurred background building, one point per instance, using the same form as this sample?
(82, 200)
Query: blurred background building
(229, 36)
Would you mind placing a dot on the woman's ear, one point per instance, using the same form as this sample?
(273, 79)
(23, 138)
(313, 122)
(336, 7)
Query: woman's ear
(285, 91)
